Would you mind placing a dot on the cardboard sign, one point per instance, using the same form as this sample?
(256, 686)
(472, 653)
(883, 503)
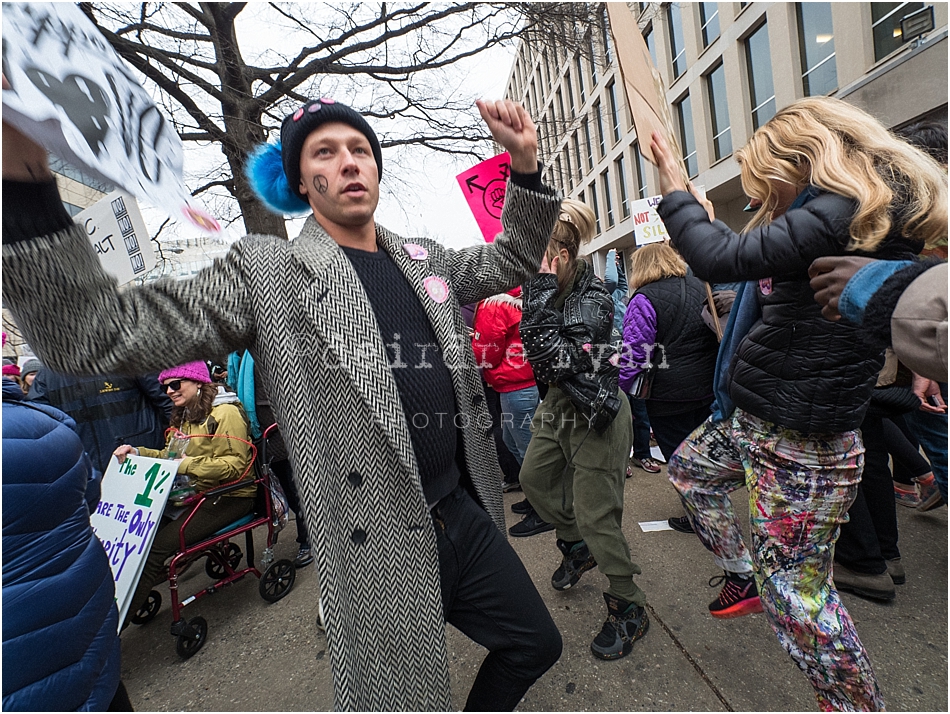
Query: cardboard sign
(484, 187)
(647, 225)
(118, 235)
(642, 83)
(129, 510)
(71, 93)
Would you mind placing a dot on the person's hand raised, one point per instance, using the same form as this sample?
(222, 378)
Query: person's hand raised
(671, 178)
(511, 127)
(23, 158)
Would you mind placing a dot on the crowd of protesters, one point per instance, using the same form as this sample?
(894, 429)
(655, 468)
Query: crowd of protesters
(792, 400)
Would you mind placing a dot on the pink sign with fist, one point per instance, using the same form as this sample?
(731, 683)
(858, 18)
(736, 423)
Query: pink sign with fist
(484, 188)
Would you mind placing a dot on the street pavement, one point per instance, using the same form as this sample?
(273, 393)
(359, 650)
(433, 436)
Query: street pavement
(273, 657)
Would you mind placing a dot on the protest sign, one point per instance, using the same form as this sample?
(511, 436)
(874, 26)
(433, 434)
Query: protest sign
(643, 85)
(71, 93)
(647, 225)
(118, 235)
(484, 188)
(130, 507)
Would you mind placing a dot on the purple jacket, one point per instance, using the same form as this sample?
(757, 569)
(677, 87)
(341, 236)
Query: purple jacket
(639, 335)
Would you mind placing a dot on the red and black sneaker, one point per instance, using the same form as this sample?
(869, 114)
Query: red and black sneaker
(739, 596)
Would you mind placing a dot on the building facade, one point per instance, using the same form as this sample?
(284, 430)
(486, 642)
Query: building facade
(727, 67)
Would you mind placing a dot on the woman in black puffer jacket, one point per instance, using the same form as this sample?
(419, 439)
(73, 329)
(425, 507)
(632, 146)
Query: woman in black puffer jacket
(575, 466)
(832, 180)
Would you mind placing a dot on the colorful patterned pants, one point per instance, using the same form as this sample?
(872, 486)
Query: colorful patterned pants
(800, 489)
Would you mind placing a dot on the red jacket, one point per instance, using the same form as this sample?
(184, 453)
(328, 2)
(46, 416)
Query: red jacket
(497, 343)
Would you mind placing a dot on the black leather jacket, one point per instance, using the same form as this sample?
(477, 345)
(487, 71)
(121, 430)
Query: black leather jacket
(572, 347)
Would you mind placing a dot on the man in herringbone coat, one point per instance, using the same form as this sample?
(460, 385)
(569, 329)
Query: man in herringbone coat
(389, 557)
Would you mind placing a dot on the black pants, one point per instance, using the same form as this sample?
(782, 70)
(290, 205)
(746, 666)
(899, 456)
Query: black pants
(870, 535)
(671, 430)
(285, 475)
(904, 449)
(489, 596)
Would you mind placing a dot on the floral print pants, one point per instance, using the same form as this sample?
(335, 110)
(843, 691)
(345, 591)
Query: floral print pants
(800, 488)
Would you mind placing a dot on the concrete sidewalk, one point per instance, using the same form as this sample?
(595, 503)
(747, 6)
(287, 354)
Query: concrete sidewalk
(262, 657)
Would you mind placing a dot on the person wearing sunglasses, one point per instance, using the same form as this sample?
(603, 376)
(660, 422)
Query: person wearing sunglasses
(207, 413)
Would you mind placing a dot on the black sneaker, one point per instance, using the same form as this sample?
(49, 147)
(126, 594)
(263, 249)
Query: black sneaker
(522, 508)
(739, 596)
(625, 624)
(577, 561)
(681, 524)
(304, 557)
(529, 526)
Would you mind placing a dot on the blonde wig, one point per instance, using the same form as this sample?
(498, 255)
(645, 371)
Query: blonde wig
(837, 147)
(655, 261)
(575, 227)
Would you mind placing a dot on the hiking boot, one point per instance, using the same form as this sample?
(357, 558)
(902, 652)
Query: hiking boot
(625, 624)
(577, 560)
(930, 497)
(739, 596)
(876, 587)
(649, 464)
(896, 570)
(304, 557)
(529, 526)
(681, 524)
(906, 496)
(522, 508)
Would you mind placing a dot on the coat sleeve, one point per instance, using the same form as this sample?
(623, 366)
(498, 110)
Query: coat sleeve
(156, 395)
(557, 351)
(229, 458)
(485, 270)
(919, 324)
(78, 321)
(490, 327)
(639, 335)
(787, 245)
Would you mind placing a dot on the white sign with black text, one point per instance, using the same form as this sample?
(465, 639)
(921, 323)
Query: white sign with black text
(118, 235)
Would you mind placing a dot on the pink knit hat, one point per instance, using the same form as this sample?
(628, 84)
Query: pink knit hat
(11, 369)
(195, 371)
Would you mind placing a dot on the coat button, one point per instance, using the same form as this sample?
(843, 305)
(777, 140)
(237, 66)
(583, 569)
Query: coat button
(355, 479)
(358, 536)
(477, 399)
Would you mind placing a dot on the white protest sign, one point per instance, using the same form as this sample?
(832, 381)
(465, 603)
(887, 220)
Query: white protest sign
(647, 225)
(118, 235)
(130, 508)
(71, 93)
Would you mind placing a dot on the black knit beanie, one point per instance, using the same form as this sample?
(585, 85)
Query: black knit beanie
(297, 127)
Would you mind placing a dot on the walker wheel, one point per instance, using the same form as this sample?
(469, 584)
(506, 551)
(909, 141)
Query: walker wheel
(277, 580)
(193, 638)
(149, 610)
(216, 570)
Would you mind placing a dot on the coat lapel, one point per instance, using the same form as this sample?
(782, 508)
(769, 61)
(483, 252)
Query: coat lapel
(346, 327)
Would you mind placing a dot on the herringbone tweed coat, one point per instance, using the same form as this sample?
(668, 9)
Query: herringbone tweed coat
(301, 310)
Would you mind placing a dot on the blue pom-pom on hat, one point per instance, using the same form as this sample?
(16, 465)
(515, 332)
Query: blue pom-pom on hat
(265, 172)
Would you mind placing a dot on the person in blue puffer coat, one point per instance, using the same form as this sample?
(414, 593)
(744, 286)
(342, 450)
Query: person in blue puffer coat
(60, 622)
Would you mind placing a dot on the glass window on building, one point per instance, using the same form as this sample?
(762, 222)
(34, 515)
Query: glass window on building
(579, 67)
(599, 116)
(590, 148)
(621, 170)
(614, 113)
(817, 41)
(641, 167)
(759, 63)
(709, 17)
(608, 41)
(567, 166)
(570, 91)
(561, 182)
(719, 112)
(608, 200)
(592, 48)
(651, 44)
(577, 156)
(684, 114)
(886, 25)
(560, 107)
(592, 195)
(674, 18)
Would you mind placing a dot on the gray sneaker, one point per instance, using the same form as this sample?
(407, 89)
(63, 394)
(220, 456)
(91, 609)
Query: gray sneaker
(304, 557)
(577, 560)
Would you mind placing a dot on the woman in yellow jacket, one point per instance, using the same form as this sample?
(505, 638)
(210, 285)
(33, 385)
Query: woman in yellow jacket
(209, 462)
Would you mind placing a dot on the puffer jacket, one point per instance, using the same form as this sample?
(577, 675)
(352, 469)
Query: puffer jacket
(497, 343)
(60, 623)
(568, 340)
(794, 368)
(212, 461)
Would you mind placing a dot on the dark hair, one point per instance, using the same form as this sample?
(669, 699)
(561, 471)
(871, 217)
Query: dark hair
(928, 136)
(197, 414)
